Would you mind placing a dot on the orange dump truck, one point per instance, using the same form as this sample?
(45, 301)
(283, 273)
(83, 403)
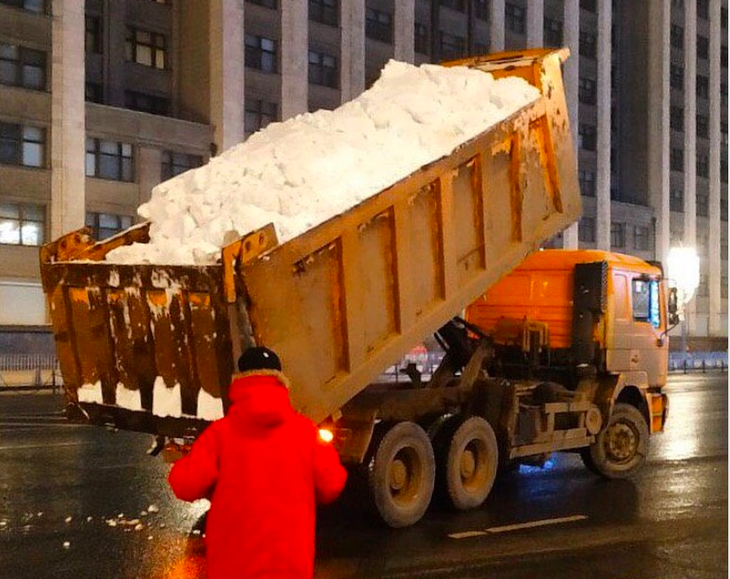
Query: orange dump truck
(152, 348)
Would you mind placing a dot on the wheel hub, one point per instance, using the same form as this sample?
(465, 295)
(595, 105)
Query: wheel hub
(398, 475)
(621, 442)
(468, 464)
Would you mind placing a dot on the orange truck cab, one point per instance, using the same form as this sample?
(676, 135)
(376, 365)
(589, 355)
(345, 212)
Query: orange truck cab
(564, 315)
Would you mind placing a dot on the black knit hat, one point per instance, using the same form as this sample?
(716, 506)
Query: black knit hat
(259, 358)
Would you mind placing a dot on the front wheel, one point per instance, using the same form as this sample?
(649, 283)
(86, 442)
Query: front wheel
(621, 447)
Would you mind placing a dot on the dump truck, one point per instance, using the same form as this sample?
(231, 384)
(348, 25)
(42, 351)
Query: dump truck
(151, 348)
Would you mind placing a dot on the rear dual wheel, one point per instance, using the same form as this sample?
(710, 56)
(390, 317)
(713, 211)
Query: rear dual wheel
(468, 465)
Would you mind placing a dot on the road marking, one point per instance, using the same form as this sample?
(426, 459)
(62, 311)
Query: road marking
(518, 526)
(48, 445)
(467, 534)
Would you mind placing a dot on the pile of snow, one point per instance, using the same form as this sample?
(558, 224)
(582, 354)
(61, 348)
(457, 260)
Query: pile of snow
(303, 171)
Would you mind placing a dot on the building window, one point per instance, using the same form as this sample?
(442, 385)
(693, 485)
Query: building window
(587, 91)
(420, 38)
(22, 223)
(452, 46)
(22, 145)
(261, 53)
(259, 113)
(676, 159)
(378, 25)
(92, 40)
(38, 6)
(723, 169)
(676, 36)
(703, 87)
(618, 234)
(676, 200)
(723, 132)
(587, 44)
(723, 249)
(723, 213)
(703, 165)
(324, 11)
(146, 103)
(676, 118)
(703, 126)
(641, 237)
(723, 17)
(265, 3)
(702, 244)
(588, 5)
(514, 18)
(703, 203)
(20, 66)
(458, 5)
(481, 9)
(93, 92)
(146, 48)
(174, 163)
(104, 225)
(703, 47)
(587, 230)
(587, 180)
(723, 93)
(109, 160)
(676, 76)
(587, 137)
(553, 32)
(323, 69)
(723, 287)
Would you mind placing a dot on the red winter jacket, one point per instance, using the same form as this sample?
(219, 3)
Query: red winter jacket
(264, 467)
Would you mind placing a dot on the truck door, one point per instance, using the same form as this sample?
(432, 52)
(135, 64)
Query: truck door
(646, 340)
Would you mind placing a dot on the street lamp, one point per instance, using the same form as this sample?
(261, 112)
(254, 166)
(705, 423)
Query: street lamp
(683, 269)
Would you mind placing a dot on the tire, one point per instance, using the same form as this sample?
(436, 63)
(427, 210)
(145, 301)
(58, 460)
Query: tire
(621, 447)
(469, 466)
(401, 475)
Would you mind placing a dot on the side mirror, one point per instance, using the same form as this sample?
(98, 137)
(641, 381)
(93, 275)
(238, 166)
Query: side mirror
(673, 307)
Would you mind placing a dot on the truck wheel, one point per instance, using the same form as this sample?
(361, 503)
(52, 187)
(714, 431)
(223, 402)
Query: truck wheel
(401, 475)
(621, 447)
(470, 466)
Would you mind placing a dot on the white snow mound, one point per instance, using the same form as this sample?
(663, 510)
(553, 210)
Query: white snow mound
(303, 171)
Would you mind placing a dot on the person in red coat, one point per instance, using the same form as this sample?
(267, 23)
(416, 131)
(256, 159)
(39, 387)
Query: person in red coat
(264, 468)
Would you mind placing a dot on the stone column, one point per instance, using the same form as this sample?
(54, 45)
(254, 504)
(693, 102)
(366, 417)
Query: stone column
(658, 121)
(352, 48)
(571, 28)
(535, 23)
(603, 130)
(404, 30)
(713, 251)
(226, 72)
(149, 162)
(689, 237)
(294, 57)
(67, 136)
(496, 26)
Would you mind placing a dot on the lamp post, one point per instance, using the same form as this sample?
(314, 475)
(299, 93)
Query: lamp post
(683, 271)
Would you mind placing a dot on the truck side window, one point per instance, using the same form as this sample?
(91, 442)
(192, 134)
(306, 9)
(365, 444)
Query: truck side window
(645, 301)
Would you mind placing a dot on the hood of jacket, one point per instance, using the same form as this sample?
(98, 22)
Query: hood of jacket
(260, 399)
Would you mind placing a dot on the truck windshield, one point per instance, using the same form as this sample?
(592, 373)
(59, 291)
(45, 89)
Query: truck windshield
(645, 301)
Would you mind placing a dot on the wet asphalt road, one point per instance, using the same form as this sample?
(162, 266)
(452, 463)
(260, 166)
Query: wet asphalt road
(75, 503)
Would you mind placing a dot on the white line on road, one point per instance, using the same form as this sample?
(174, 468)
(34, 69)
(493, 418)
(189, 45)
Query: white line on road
(518, 526)
(48, 445)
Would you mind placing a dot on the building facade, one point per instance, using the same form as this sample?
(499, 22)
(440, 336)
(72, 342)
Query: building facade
(101, 100)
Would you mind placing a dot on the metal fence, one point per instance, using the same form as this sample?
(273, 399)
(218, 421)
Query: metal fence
(29, 372)
(697, 361)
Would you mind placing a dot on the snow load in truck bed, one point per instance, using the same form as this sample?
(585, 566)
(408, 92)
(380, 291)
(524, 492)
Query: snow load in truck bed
(301, 172)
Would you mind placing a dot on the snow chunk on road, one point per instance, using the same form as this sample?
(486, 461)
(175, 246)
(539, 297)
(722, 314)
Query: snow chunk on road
(303, 171)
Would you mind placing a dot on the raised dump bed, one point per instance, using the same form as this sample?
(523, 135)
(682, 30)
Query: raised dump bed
(151, 347)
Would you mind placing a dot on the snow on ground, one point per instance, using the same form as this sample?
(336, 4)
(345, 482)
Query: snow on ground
(301, 172)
